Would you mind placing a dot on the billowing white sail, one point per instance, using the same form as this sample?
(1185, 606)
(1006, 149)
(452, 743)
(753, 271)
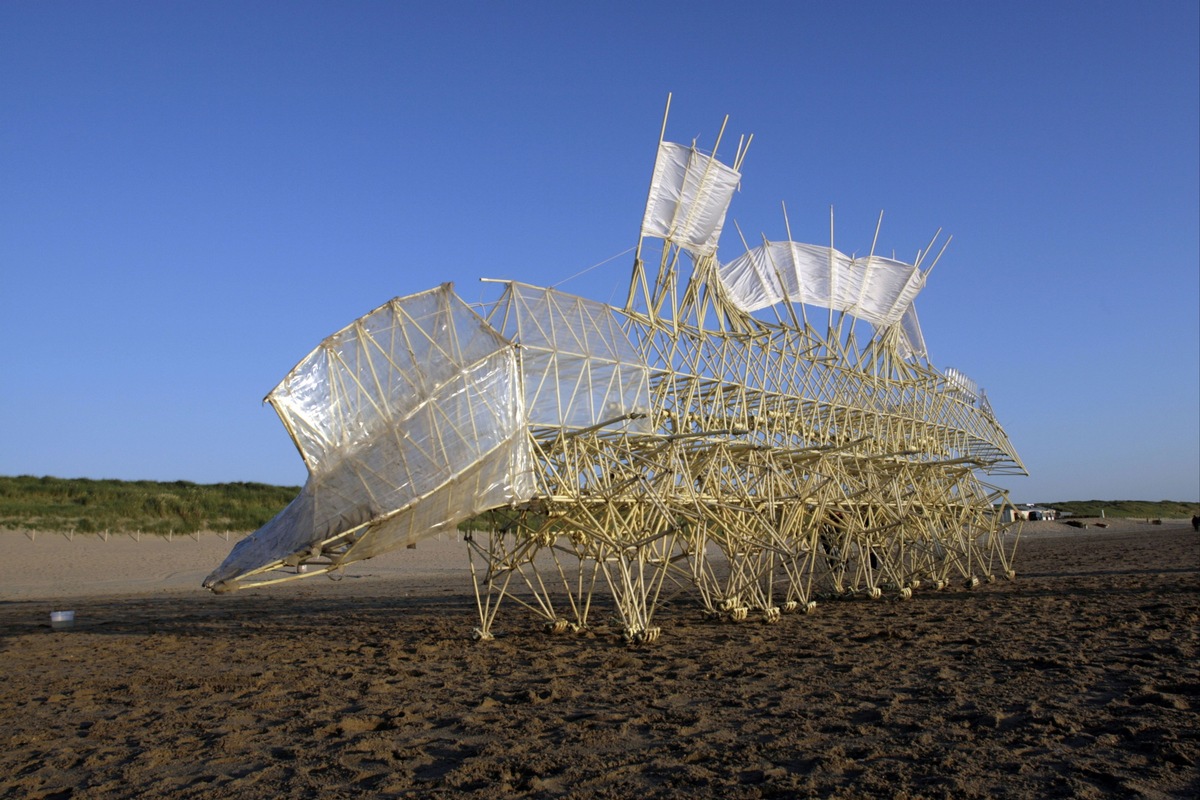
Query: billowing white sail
(689, 195)
(876, 289)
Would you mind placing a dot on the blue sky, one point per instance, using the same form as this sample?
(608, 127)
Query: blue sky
(195, 194)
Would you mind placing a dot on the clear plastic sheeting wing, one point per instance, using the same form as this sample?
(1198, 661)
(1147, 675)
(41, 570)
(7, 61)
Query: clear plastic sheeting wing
(912, 341)
(409, 419)
(577, 363)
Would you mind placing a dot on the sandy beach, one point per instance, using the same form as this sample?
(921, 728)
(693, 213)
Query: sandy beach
(1081, 678)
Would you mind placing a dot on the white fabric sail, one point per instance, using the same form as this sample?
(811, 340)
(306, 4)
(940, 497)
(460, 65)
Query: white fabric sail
(876, 289)
(689, 195)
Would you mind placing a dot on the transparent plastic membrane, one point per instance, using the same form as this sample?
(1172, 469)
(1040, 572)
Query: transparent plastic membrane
(578, 366)
(410, 420)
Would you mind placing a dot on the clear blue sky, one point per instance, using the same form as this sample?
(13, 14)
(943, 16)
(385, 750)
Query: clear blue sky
(194, 194)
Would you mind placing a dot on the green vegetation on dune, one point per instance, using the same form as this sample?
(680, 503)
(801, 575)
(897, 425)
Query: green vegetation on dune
(92, 506)
(1126, 509)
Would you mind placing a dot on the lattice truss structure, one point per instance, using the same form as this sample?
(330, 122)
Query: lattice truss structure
(708, 440)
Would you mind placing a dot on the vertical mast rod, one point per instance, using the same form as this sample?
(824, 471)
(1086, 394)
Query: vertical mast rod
(832, 282)
(638, 272)
(787, 227)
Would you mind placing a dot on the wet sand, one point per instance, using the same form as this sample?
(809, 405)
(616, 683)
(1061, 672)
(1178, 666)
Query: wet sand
(1081, 678)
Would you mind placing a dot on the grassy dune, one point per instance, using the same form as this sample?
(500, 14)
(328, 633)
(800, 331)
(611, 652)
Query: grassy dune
(1127, 509)
(89, 506)
(84, 505)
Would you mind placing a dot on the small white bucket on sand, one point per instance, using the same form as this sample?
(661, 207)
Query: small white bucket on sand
(61, 620)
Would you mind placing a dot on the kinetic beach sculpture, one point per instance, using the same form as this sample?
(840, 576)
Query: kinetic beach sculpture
(709, 437)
